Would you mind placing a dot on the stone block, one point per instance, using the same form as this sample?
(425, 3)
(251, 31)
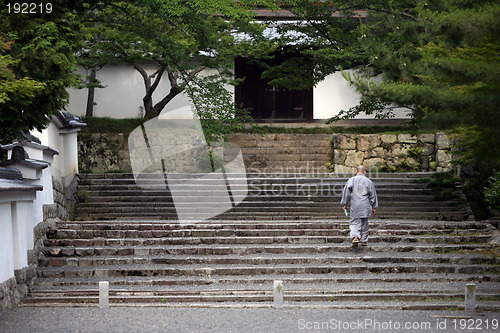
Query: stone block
(344, 141)
(206, 271)
(412, 161)
(442, 141)
(400, 149)
(443, 159)
(354, 158)
(339, 156)
(407, 138)
(388, 138)
(367, 141)
(378, 152)
(343, 169)
(428, 149)
(373, 163)
(427, 137)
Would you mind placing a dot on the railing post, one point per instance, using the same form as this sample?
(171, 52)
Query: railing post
(104, 294)
(470, 297)
(278, 294)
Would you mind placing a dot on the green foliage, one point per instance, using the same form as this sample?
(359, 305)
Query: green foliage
(416, 150)
(443, 179)
(37, 60)
(214, 107)
(81, 196)
(178, 39)
(403, 166)
(492, 192)
(322, 38)
(442, 63)
(477, 146)
(442, 186)
(440, 60)
(210, 162)
(110, 125)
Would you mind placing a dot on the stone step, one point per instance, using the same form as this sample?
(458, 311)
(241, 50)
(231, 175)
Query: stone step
(388, 200)
(201, 284)
(89, 233)
(291, 249)
(458, 216)
(373, 281)
(266, 204)
(315, 224)
(123, 296)
(270, 184)
(255, 181)
(257, 175)
(263, 240)
(243, 209)
(345, 305)
(266, 259)
(281, 192)
(222, 270)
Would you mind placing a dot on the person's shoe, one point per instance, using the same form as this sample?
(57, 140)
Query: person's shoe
(355, 241)
(364, 244)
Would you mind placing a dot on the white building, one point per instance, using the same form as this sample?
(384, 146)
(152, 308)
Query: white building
(124, 90)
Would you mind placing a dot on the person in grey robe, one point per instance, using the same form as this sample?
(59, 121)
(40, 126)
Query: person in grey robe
(360, 192)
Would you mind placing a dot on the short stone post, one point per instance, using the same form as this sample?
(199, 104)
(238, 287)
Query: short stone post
(104, 294)
(470, 297)
(278, 294)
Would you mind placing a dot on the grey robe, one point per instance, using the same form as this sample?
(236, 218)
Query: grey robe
(360, 191)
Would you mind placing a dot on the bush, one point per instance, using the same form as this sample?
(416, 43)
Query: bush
(492, 192)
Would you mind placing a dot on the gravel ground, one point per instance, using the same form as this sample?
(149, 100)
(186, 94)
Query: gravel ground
(126, 319)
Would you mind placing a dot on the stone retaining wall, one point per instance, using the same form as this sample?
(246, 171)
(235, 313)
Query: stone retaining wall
(103, 152)
(385, 152)
(391, 152)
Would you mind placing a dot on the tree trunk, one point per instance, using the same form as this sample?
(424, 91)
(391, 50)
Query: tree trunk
(153, 110)
(158, 108)
(90, 96)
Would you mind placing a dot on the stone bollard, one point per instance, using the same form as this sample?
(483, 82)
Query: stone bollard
(278, 294)
(104, 294)
(470, 297)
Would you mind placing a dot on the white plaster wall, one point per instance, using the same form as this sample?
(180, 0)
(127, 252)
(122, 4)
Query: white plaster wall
(68, 156)
(66, 162)
(16, 231)
(50, 137)
(335, 94)
(122, 97)
(22, 232)
(6, 243)
(44, 197)
(332, 95)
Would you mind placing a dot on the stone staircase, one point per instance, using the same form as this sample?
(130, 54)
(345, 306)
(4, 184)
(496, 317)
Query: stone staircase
(284, 153)
(421, 251)
(270, 197)
(419, 265)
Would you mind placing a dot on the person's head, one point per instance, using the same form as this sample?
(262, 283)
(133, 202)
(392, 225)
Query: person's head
(360, 170)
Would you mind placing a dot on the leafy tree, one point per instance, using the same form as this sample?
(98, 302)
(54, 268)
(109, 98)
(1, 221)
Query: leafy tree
(37, 63)
(179, 39)
(439, 58)
(442, 63)
(448, 73)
